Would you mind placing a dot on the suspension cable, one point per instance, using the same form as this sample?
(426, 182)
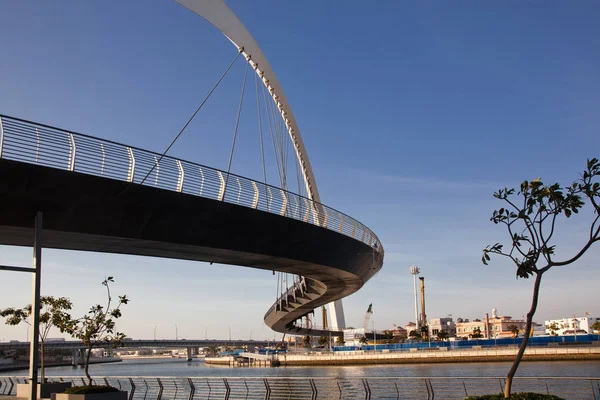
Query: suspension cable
(262, 147)
(237, 124)
(193, 115)
(271, 132)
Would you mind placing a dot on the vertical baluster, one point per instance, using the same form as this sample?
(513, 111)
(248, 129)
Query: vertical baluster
(201, 180)
(255, 199)
(72, 151)
(221, 186)
(180, 176)
(285, 201)
(1, 136)
(131, 171)
(103, 158)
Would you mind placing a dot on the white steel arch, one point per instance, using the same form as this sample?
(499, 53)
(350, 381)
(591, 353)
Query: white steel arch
(218, 14)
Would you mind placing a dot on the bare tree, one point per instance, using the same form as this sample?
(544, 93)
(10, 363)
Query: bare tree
(530, 217)
(53, 313)
(98, 328)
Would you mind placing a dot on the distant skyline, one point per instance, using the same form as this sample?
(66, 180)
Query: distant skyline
(412, 113)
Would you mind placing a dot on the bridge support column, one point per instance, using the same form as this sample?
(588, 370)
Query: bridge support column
(34, 356)
(75, 356)
(336, 311)
(189, 354)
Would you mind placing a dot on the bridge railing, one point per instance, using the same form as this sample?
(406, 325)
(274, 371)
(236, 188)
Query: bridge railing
(39, 144)
(196, 388)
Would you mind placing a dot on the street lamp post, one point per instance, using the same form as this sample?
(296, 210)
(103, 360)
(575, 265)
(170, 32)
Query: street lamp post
(205, 337)
(155, 332)
(176, 332)
(374, 336)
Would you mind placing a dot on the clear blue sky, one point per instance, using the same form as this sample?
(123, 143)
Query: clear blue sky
(413, 113)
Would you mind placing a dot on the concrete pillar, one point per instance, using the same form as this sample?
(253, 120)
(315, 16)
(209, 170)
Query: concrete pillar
(75, 355)
(189, 354)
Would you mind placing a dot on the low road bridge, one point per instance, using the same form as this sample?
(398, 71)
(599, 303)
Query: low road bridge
(181, 343)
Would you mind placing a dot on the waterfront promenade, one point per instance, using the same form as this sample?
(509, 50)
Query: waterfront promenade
(430, 356)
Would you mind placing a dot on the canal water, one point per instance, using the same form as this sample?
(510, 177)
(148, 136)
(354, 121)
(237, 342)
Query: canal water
(197, 368)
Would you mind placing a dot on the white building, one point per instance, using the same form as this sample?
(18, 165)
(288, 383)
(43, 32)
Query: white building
(442, 324)
(570, 326)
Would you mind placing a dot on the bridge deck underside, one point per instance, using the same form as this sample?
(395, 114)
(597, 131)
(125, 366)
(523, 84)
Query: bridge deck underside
(88, 213)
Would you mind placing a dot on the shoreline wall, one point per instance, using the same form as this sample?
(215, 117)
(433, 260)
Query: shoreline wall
(416, 357)
(468, 356)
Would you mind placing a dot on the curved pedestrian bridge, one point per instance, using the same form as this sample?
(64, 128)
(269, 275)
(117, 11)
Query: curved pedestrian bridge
(98, 195)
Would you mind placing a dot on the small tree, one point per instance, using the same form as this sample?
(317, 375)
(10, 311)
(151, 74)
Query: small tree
(514, 330)
(424, 332)
(98, 326)
(414, 335)
(211, 351)
(53, 313)
(442, 335)
(553, 328)
(363, 340)
(596, 326)
(476, 333)
(530, 220)
(323, 340)
(340, 341)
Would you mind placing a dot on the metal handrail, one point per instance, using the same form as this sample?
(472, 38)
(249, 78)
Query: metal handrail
(40, 144)
(192, 388)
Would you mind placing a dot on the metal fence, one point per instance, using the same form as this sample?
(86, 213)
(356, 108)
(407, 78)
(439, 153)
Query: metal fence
(39, 144)
(413, 388)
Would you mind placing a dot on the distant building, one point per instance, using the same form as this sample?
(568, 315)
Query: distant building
(490, 328)
(411, 326)
(437, 325)
(570, 326)
(399, 331)
(464, 330)
(500, 326)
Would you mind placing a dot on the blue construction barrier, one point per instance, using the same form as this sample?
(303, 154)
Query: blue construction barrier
(467, 344)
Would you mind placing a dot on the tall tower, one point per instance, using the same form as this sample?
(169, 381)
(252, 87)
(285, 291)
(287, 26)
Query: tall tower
(414, 271)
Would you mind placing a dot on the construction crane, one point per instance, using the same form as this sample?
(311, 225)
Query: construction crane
(367, 317)
(325, 327)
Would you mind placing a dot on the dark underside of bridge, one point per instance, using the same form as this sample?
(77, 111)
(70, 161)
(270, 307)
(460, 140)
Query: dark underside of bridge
(84, 212)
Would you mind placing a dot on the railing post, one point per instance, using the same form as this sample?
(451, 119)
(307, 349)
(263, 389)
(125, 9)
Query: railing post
(157, 163)
(160, 389)
(132, 389)
(37, 147)
(307, 214)
(1, 137)
(180, 177)
(192, 389)
(221, 186)
(255, 199)
(285, 201)
(239, 189)
(367, 389)
(131, 171)
(201, 181)
(103, 158)
(341, 221)
(73, 150)
(269, 196)
(268, 393)
(227, 389)
(313, 387)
